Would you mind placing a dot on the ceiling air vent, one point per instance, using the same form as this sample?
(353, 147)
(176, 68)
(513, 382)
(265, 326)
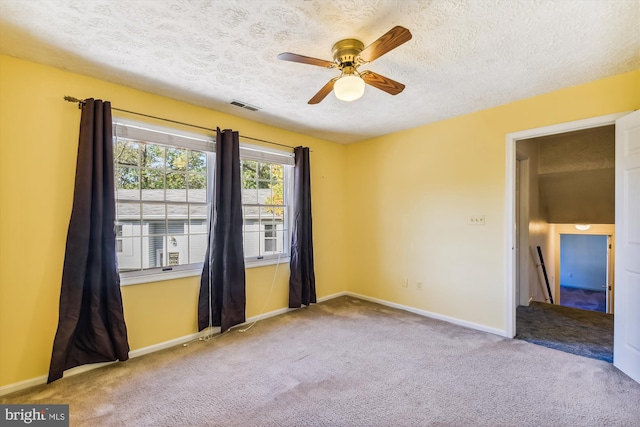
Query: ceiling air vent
(244, 105)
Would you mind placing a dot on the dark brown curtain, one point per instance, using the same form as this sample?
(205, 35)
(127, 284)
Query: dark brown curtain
(302, 282)
(91, 325)
(222, 298)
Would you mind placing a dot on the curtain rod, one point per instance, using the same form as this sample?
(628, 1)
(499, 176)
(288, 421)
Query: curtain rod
(81, 102)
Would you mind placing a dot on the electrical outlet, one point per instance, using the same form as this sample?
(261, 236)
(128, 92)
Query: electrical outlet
(419, 286)
(476, 220)
(405, 283)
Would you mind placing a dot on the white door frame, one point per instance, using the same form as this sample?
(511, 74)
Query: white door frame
(558, 269)
(608, 230)
(610, 273)
(510, 252)
(522, 230)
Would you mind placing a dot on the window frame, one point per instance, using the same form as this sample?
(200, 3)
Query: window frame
(287, 160)
(172, 137)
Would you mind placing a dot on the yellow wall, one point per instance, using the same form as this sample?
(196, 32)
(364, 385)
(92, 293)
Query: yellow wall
(386, 209)
(410, 195)
(38, 144)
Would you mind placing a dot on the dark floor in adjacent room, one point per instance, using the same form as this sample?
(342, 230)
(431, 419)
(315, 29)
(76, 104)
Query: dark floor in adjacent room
(585, 299)
(582, 332)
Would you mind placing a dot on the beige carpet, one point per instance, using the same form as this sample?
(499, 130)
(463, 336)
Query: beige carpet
(347, 362)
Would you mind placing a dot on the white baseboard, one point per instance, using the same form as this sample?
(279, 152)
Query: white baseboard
(32, 382)
(432, 315)
(283, 310)
(332, 296)
(11, 388)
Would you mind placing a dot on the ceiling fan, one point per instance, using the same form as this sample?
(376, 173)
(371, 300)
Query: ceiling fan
(348, 55)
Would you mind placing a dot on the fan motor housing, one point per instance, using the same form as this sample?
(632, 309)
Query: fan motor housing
(345, 51)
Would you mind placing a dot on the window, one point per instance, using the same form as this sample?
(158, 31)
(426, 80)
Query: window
(163, 183)
(118, 231)
(270, 238)
(265, 206)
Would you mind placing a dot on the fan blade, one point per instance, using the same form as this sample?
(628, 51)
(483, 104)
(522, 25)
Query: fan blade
(322, 93)
(294, 57)
(391, 40)
(382, 82)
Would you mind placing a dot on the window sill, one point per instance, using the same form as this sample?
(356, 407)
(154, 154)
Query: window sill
(158, 277)
(263, 262)
(179, 274)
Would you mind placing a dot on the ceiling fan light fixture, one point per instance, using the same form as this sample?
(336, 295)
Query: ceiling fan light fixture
(349, 88)
(348, 55)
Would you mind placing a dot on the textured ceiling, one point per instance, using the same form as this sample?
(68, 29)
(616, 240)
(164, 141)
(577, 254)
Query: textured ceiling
(464, 55)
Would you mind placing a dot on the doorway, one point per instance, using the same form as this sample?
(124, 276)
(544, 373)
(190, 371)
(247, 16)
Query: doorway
(627, 224)
(584, 271)
(562, 179)
(570, 183)
(530, 269)
(570, 179)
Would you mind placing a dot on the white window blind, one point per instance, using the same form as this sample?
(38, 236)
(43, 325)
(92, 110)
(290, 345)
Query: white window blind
(265, 155)
(167, 136)
(164, 136)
